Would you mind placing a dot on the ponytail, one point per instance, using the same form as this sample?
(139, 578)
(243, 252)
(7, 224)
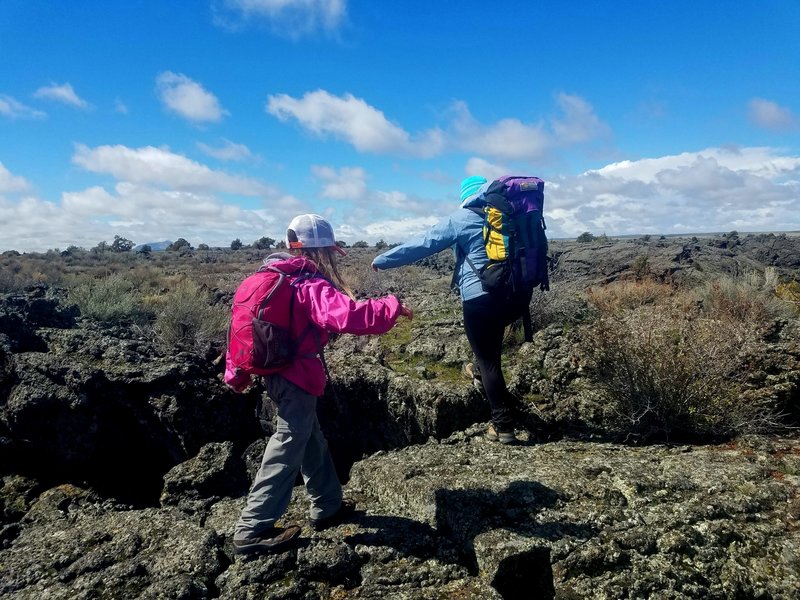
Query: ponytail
(327, 264)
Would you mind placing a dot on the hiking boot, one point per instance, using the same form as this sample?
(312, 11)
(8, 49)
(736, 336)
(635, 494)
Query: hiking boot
(345, 510)
(472, 372)
(469, 370)
(272, 540)
(504, 437)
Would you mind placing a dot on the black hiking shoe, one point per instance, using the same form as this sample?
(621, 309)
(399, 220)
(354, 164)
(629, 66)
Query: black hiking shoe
(345, 510)
(271, 541)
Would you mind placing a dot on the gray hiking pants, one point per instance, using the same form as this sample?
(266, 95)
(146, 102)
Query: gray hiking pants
(296, 445)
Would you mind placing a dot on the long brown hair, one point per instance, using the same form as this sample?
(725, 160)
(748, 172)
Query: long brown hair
(327, 263)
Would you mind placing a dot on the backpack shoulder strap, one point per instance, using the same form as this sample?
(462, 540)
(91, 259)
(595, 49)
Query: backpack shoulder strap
(262, 306)
(478, 210)
(468, 260)
(471, 264)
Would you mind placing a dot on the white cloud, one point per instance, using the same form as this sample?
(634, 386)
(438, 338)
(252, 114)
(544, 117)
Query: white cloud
(162, 195)
(512, 139)
(158, 195)
(63, 93)
(579, 123)
(761, 161)
(396, 230)
(10, 183)
(362, 213)
(368, 130)
(226, 151)
(770, 115)
(507, 139)
(30, 224)
(92, 202)
(705, 174)
(188, 99)
(348, 183)
(292, 18)
(717, 189)
(353, 120)
(479, 166)
(140, 213)
(159, 166)
(13, 109)
(120, 107)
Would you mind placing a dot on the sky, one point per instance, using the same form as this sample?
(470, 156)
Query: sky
(216, 120)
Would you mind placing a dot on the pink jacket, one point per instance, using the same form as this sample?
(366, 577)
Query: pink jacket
(327, 310)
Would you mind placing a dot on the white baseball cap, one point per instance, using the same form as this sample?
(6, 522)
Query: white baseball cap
(311, 231)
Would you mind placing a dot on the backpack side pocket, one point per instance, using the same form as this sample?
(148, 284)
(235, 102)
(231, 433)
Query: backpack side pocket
(272, 345)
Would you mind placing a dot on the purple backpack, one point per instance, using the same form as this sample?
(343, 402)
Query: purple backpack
(514, 237)
(514, 234)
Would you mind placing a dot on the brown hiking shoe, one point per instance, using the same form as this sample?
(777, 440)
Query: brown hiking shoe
(272, 540)
(504, 437)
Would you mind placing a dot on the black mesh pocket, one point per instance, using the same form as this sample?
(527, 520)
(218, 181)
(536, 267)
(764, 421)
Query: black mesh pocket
(495, 276)
(272, 345)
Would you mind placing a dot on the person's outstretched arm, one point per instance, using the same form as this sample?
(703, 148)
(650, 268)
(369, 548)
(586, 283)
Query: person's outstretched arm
(335, 311)
(439, 237)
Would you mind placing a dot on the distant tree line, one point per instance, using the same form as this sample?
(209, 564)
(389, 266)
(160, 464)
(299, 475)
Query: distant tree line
(181, 245)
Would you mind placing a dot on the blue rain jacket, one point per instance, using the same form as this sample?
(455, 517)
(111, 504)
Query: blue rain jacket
(463, 231)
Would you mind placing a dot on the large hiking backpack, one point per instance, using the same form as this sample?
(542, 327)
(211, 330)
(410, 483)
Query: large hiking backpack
(259, 337)
(515, 240)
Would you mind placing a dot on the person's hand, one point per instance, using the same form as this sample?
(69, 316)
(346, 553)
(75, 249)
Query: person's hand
(405, 311)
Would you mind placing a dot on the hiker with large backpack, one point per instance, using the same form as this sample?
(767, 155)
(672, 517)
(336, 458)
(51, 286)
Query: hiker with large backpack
(500, 247)
(282, 317)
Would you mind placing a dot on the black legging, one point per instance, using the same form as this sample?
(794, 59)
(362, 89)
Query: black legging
(485, 320)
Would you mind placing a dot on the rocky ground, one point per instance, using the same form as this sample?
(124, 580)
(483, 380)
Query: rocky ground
(456, 518)
(125, 467)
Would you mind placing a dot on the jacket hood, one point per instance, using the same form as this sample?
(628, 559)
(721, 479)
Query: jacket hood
(290, 265)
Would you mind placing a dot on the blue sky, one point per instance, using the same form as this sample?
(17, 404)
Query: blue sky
(215, 120)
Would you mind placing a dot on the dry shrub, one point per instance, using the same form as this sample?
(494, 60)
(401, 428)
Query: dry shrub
(789, 293)
(674, 363)
(10, 278)
(145, 278)
(749, 297)
(18, 273)
(628, 295)
(109, 299)
(564, 303)
(185, 317)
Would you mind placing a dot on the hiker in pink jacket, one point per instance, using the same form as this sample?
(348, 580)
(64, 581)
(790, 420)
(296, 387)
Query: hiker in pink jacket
(323, 302)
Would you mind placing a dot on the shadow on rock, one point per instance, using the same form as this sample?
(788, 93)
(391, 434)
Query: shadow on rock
(406, 536)
(495, 536)
(500, 538)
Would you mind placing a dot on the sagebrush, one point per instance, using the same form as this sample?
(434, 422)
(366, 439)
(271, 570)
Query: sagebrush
(672, 362)
(186, 317)
(110, 299)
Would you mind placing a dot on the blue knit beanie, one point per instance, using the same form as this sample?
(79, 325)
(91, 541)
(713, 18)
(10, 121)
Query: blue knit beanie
(471, 185)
